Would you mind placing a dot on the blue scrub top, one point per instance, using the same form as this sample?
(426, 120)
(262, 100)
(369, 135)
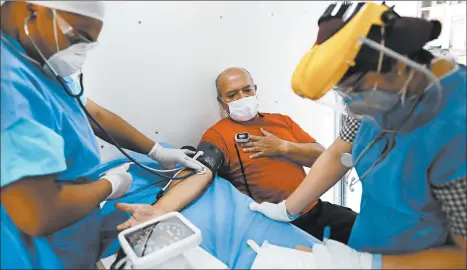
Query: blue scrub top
(44, 131)
(399, 213)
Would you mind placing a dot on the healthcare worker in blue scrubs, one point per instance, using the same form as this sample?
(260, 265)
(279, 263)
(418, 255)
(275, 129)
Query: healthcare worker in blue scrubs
(408, 145)
(49, 208)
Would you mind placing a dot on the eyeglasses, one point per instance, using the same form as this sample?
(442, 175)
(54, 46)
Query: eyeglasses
(67, 30)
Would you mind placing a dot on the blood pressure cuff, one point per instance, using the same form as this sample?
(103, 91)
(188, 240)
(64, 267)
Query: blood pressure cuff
(212, 158)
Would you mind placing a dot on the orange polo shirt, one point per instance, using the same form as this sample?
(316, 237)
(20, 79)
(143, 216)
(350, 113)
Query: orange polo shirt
(270, 179)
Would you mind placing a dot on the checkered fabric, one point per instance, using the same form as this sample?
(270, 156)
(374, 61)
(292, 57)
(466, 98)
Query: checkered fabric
(350, 129)
(453, 199)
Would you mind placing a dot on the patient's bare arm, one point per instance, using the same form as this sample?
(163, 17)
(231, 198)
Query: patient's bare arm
(181, 192)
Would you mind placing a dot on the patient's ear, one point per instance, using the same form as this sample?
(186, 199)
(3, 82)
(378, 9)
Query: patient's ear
(223, 108)
(222, 112)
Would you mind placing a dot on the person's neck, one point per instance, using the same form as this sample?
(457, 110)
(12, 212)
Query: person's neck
(441, 66)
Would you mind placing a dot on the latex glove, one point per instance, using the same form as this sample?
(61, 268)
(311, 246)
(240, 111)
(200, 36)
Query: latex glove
(275, 211)
(335, 255)
(120, 180)
(276, 257)
(169, 158)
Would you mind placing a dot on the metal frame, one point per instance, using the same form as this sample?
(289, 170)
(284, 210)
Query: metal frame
(339, 189)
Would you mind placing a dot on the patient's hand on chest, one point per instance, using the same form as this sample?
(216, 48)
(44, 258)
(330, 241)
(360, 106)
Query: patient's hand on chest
(264, 146)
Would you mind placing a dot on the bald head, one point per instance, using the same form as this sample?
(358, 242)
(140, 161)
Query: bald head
(235, 83)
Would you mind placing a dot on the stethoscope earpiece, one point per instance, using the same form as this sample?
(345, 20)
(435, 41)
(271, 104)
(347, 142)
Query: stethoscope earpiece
(32, 12)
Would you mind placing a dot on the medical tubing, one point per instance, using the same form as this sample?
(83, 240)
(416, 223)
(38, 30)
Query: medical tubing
(381, 135)
(114, 142)
(243, 172)
(77, 97)
(386, 149)
(418, 99)
(120, 260)
(147, 241)
(138, 190)
(161, 192)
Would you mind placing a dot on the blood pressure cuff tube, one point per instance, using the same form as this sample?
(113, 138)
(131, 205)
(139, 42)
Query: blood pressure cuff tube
(212, 157)
(191, 148)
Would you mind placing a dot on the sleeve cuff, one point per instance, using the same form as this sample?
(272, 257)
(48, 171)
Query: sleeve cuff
(291, 218)
(377, 262)
(32, 150)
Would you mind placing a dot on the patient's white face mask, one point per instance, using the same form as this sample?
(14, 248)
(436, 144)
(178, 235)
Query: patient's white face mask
(243, 109)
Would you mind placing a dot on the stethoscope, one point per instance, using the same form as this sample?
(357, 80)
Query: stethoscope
(346, 158)
(347, 161)
(156, 172)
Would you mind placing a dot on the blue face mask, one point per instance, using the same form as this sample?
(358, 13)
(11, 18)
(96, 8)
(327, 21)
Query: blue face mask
(372, 103)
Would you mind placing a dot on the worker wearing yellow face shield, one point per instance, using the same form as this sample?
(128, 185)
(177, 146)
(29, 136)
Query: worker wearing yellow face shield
(408, 145)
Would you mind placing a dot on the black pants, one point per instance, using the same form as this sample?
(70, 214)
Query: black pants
(340, 219)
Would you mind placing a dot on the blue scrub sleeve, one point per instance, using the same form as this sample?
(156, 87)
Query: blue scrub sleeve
(29, 148)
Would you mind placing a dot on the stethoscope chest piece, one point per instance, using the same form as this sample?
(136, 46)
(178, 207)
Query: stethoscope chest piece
(346, 160)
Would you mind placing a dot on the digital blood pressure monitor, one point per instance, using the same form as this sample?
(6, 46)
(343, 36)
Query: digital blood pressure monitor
(242, 137)
(156, 241)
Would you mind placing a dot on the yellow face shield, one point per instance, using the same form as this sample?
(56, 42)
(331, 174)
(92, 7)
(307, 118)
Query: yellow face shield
(325, 64)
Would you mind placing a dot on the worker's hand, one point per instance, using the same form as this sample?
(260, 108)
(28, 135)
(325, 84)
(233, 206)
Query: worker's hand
(265, 146)
(139, 214)
(275, 211)
(120, 180)
(334, 255)
(169, 158)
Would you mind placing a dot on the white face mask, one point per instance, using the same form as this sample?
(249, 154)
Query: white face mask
(243, 109)
(70, 60)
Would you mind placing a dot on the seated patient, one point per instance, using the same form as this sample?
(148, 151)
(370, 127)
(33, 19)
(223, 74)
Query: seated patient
(269, 167)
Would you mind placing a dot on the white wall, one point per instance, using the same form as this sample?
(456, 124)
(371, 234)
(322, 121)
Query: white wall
(159, 74)
(157, 61)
